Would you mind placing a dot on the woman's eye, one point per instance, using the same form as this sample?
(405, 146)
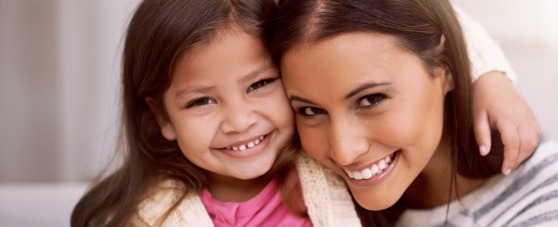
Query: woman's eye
(308, 111)
(261, 84)
(371, 100)
(200, 102)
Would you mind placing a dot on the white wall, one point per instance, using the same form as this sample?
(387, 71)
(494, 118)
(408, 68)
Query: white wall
(528, 33)
(59, 70)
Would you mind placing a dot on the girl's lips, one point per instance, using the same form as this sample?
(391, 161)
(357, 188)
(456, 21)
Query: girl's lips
(373, 174)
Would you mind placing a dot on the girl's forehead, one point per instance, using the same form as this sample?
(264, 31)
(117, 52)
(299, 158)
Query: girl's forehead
(230, 55)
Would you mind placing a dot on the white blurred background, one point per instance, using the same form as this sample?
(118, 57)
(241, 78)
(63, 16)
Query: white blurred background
(59, 77)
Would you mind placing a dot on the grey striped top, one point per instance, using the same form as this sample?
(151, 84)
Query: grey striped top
(526, 197)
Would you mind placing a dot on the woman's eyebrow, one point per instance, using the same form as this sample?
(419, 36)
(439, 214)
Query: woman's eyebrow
(364, 87)
(293, 98)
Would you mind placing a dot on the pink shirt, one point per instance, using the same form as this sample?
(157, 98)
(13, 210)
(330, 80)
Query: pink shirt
(265, 209)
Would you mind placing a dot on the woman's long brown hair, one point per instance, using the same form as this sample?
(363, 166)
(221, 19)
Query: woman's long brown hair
(419, 26)
(160, 33)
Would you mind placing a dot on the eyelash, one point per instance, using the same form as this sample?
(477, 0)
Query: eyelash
(302, 111)
(372, 100)
(200, 102)
(208, 100)
(261, 83)
(376, 99)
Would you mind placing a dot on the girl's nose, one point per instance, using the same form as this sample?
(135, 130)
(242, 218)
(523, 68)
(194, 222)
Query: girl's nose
(238, 117)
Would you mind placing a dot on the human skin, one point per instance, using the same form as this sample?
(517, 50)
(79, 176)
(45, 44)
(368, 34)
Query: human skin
(373, 117)
(228, 112)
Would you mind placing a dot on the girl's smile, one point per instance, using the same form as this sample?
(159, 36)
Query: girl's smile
(247, 147)
(227, 108)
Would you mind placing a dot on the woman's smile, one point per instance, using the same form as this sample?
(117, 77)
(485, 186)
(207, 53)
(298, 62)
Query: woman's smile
(373, 173)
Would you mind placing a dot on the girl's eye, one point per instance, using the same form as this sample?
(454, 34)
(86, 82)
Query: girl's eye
(200, 102)
(261, 84)
(309, 111)
(371, 100)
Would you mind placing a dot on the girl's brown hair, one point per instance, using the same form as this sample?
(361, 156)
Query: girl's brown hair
(160, 33)
(419, 26)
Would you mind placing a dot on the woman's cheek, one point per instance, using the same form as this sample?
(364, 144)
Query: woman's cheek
(311, 141)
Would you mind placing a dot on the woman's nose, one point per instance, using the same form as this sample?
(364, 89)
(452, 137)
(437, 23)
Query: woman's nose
(347, 142)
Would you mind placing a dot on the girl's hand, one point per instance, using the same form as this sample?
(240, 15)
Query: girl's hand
(498, 104)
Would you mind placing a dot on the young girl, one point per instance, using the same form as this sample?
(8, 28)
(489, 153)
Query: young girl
(207, 129)
(381, 91)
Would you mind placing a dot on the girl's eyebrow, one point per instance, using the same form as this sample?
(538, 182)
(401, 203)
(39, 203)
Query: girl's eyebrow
(192, 89)
(255, 73)
(364, 87)
(204, 89)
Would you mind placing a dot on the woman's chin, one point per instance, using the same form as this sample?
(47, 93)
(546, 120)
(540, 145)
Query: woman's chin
(374, 203)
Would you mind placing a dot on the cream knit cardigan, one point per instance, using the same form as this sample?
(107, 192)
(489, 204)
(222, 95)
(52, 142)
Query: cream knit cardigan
(326, 197)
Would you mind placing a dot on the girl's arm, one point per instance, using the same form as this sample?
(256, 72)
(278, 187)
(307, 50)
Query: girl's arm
(496, 101)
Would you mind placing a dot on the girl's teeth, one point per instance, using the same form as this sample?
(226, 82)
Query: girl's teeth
(368, 173)
(246, 146)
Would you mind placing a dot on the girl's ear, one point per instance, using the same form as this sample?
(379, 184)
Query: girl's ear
(167, 130)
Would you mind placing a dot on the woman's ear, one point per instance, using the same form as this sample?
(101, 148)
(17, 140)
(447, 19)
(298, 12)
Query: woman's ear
(167, 130)
(445, 68)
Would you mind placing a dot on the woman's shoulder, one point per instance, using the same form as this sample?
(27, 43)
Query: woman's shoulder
(545, 152)
(533, 193)
(165, 204)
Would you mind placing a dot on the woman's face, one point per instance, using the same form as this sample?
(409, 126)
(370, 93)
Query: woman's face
(367, 109)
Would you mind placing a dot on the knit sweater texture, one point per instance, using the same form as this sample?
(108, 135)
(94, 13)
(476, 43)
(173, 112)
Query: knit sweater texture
(526, 197)
(326, 197)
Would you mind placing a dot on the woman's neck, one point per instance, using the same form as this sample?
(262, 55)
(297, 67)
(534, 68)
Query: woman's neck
(433, 185)
(229, 189)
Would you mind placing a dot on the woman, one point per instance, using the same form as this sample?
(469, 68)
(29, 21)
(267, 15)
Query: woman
(381, 91)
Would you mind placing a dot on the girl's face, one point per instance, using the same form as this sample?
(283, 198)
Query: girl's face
(227, 108)
(367, 109)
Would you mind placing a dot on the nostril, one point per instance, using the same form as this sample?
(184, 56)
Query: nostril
(350, 152)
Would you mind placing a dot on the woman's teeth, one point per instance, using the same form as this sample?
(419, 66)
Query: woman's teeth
(247, 145)
(373, 170)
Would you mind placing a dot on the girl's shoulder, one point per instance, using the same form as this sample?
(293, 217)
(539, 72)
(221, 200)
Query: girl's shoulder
(325, 194)
(167, 205)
